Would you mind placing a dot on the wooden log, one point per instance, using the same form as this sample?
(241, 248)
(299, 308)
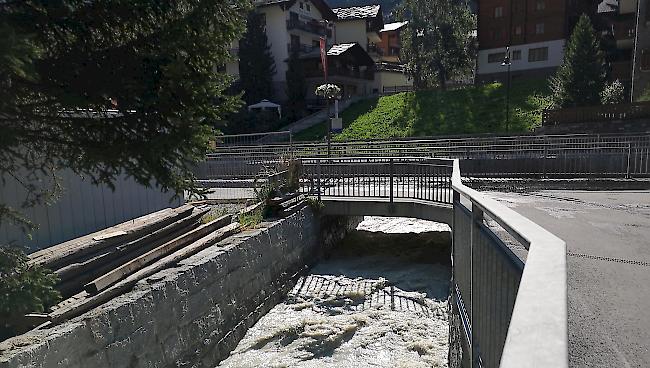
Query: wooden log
(61, 254)
(135, 264)
(117, 251)
(77, 283)
(83, 301)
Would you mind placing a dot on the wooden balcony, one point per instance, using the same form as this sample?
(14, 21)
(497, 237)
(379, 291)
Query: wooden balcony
(313, 27)
(342, 72)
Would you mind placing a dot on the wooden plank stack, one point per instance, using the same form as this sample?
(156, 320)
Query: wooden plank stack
(100, 266)
(284, 205)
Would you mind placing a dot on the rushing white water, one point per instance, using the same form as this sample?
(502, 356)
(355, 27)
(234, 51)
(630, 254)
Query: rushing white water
(375, 310)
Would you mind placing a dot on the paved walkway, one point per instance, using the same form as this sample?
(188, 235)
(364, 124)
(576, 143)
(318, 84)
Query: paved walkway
(608, 246)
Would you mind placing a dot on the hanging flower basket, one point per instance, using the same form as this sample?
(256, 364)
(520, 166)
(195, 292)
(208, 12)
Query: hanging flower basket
(328, 91)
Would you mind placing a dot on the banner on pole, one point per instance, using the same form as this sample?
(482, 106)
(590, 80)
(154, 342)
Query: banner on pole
(323, 54)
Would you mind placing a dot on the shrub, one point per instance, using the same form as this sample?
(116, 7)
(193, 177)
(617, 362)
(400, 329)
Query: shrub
(24, 288)
(645, 96)
(613, 93)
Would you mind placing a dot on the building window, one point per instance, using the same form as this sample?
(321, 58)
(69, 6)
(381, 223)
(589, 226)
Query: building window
(518, 31)
(539, 28)
(540, 5)
(538, 54)
(302, 6)
(515, 55)
(308, 7)
(496, 57)
(498, 12)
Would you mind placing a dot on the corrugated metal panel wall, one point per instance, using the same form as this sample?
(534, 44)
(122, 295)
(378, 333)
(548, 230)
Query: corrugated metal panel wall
(81, 209)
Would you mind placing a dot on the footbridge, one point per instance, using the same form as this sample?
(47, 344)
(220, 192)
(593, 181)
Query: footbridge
(509, 282)
(509, 287)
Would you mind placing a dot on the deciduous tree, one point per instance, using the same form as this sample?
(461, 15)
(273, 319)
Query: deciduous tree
(436, 44)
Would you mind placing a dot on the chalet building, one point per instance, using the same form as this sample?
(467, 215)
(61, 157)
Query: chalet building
(535, 30)
(349, 66)
(616, 21)
(364, 25)
(294, 25)
(361, 25)
(355, 48)
(390, 46)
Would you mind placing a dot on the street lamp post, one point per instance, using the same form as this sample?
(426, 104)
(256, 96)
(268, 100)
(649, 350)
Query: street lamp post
(506, 62)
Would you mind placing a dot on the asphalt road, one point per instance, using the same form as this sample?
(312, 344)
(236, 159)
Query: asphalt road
(608, 256)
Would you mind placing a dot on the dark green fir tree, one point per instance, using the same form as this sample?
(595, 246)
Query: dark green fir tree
(256, 65)
(296, 88)
(581, 78)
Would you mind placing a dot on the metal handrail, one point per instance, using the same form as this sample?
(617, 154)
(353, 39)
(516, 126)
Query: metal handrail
(538, 331)
(537, 334)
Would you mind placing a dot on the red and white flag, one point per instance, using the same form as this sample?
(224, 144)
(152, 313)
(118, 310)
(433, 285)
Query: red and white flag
(323, 54)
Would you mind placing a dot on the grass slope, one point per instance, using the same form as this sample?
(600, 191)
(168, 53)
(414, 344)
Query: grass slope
(477, 109)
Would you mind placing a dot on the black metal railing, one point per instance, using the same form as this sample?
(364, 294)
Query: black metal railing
(384, 177)
(308, 26)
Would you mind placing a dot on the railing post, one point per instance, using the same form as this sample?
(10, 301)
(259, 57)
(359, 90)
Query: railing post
(318, 174)
(291, 155)
(391, 173)
(629, 154)
(545, 143)
(477, 221)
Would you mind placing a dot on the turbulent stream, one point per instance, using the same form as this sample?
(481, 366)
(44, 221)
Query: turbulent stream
(380, 300)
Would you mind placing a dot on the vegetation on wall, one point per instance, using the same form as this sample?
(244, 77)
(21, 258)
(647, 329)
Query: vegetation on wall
(580, 79)
(112, 87)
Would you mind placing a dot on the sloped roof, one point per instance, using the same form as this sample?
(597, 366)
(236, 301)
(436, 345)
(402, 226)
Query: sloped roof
(357, 12)
(607, 6)
(340, 48)
(393, 26)
(321, 5)
(351, 50)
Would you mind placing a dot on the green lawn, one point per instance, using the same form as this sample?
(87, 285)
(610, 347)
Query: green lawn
(479, 109)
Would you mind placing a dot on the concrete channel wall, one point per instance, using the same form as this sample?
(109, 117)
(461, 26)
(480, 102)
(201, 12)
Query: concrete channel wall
(192, 315)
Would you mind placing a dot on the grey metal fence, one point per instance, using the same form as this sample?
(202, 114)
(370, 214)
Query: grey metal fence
(513, 314)
(612, 155)
(513, 310)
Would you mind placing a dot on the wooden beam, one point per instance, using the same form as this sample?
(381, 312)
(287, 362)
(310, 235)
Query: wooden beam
(91, 264)
(77, 283)
(61, 254)
(83, 301)
(135, 264)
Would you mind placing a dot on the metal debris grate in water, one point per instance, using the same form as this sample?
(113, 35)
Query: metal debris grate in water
(609, 259)
(338, 292)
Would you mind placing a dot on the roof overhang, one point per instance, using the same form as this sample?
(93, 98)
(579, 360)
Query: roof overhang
(321, 5)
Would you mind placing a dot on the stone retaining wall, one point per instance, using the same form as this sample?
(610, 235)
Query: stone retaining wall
(192, 315)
